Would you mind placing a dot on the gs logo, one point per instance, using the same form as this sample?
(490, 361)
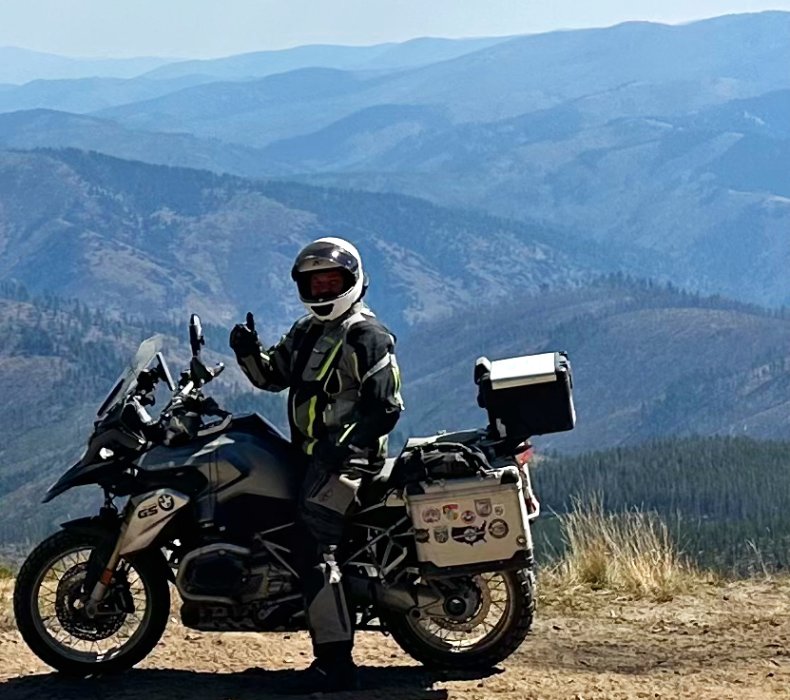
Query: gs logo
(148, 511)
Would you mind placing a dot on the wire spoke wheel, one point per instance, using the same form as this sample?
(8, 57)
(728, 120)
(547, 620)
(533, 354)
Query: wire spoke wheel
(54, 614)
(61, 614)
(492, 613)
(497, 618)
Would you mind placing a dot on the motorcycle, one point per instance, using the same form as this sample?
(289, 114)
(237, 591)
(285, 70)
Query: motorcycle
(210, 509)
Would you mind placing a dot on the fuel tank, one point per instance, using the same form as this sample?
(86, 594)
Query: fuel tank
(252, 473)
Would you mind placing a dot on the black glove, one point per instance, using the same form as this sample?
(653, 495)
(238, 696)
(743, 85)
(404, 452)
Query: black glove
(243, 341)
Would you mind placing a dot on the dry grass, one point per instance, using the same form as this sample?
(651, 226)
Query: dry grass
(6, 612)
(630, 553)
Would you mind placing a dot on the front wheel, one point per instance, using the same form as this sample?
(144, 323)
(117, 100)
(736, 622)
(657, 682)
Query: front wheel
(499, 623)
(50, 610)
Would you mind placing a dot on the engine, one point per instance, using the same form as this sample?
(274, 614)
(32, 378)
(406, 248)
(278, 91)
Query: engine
(230, 574)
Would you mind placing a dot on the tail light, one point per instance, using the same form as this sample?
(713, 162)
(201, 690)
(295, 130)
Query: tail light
(523, 454)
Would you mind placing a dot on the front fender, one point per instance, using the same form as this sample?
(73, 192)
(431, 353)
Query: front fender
(105, 524)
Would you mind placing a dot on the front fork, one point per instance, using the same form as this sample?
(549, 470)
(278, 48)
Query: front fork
(100, 587)
(144, 517)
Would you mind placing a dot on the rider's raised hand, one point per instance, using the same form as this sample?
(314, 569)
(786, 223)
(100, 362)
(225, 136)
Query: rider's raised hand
(244, 341)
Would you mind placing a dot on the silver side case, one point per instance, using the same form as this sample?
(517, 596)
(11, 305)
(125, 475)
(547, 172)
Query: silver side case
(471, 521)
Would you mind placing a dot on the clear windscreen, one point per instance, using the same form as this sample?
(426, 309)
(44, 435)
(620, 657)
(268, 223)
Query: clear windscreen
(145, 355)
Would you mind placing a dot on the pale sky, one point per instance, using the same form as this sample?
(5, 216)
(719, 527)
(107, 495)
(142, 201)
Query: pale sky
(209, 28)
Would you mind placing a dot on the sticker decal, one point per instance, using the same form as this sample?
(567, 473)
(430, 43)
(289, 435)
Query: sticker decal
(450, 511)
(483, 507)
(499, 509)
(431, 515)
(498, 528)
(469, 535)
(421, 536)
(469, 517)
(441, 535)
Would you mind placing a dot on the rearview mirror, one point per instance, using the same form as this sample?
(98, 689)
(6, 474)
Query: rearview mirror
(196, 339)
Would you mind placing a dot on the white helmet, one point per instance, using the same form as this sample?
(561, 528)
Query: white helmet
(329, 254)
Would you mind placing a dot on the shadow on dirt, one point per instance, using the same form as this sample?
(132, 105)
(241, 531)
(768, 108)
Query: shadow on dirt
(399, 683)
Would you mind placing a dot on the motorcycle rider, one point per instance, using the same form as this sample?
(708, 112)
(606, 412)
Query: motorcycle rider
(339, 365)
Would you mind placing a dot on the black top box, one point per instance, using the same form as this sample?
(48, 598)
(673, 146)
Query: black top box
(527, 395)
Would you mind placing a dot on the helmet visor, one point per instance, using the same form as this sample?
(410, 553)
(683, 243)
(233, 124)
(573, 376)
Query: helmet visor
(324, 254)
(317, 259)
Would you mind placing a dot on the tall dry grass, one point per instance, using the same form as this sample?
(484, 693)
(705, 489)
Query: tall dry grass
(6, 611)
(631, 552)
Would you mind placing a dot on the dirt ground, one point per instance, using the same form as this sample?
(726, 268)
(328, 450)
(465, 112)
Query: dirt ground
(724, 641)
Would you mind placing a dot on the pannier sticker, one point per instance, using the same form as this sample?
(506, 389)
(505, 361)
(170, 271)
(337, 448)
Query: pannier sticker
(499, 509)
(469, 517)
(483, 507)
(498, 528)
(421, 536)
(450, 511)
(431, 515)
(469, 535)
(441, 535)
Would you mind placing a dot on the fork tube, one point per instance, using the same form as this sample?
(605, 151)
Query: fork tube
(99, 590)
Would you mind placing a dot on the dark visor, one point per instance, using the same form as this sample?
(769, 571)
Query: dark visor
(328, 252)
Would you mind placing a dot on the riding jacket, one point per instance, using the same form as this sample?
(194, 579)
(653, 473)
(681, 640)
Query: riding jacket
(343, 380)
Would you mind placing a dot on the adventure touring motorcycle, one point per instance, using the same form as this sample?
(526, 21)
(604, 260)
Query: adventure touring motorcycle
(438, 553)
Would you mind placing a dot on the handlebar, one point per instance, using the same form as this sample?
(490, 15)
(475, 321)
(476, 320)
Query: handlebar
(187, 406)
(201, 374)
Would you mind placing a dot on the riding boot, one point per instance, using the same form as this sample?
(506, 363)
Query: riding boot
(333, 669)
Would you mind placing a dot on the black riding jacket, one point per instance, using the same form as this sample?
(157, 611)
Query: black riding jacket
(342, 376)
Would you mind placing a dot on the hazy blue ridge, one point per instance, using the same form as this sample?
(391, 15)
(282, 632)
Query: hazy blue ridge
(23, 65)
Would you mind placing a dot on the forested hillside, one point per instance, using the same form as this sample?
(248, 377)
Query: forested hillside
(724, 498)
(683, 365)
(153, 240)
(58, 359)
(648, 361)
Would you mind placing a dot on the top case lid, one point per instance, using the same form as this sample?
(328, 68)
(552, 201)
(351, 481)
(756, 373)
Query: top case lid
(524, 370)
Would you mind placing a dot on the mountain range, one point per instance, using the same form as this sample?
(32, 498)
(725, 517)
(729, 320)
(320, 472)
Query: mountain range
(632, 69)
(158, 241)
(663, 145)
(23, 65)
(594, 191)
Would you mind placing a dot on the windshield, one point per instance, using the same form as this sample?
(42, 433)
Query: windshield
(144, 356)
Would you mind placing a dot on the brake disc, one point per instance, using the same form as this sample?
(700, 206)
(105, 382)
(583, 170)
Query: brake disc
(72, 613)
(482, 608)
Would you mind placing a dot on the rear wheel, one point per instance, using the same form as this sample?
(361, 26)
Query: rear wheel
(53, 618)
(499, 623)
